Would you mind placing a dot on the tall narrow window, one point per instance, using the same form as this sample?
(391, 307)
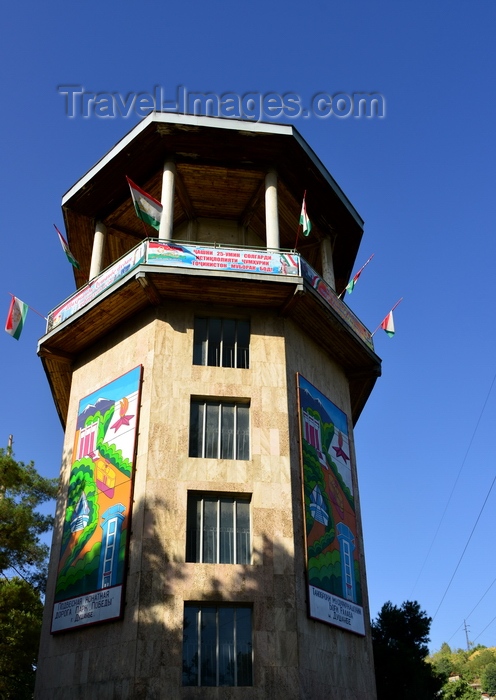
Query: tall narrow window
(218, 529)
(217, 645)
(219, 429)
(221, 342)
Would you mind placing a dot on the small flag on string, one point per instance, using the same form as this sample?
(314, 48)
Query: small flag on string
(147, 207)
(65, 248)
(305, 222)
(351, 284)
(16, 317)
(388, 324)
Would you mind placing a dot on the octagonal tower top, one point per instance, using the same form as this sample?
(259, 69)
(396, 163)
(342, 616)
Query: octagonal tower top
(220, 174)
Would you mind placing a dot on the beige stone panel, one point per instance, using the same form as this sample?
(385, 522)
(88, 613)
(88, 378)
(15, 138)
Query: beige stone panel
(283, 555)
(270, 374)
(256, 440)
(265, 441)
(286, 648)
(274, 440)
(274, 401)
(187, 469)
(237, 471)
(257, 348)
(285, 474)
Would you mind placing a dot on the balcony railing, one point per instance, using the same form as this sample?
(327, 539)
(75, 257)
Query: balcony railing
(157, 253)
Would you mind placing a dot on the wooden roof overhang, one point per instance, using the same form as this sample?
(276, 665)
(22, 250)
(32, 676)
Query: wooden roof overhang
(147, 286)
(221, 166)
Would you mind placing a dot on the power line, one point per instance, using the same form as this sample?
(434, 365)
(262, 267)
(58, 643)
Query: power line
(465, 548)
(454, 485)
(485, 628)
(474, 608)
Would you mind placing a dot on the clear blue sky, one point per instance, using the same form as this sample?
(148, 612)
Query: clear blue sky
(422, 178)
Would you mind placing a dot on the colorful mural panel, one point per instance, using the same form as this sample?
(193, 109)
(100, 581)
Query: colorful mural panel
(93, 553)
(333, 571)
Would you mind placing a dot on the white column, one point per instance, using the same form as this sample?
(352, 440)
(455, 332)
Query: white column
(98, 249)
(271, 216)
(167, 201)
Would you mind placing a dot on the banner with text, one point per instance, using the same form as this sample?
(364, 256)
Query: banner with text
(233, 260)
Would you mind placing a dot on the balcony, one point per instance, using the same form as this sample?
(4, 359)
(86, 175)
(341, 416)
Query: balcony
(158, 271)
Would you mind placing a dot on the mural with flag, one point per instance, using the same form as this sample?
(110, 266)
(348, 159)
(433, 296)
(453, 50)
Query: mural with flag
(333, 571)
(96, 528)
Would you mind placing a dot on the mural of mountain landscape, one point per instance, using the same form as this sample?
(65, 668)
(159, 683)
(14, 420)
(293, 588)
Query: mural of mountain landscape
(95, 535)
(335, 594)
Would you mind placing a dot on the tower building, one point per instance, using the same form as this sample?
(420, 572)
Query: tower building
(208, 539)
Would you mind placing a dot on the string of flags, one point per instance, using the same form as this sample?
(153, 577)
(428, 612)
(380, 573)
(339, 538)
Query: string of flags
(351, 284)
(16, 317)
(149, 210)
(387, 324)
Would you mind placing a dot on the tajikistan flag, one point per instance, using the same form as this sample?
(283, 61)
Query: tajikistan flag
(65, 248)
(351, 285)
(305, 222)
(147, 207)
(15, 318)
(388, 324)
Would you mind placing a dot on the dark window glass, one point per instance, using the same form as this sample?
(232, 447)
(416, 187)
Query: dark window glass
(243, 432)
(218, 529)
(219, 430)
(200, 342)
(190, 645)
(217, 646)
(221, 342)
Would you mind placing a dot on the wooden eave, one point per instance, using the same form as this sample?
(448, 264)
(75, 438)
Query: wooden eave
(148, 286)
(221, 167)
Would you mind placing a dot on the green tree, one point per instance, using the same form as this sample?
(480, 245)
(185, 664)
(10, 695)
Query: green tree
(479, 660)
(22, 491)
(488, 679)
(459, 690)
(20, 626)
(441, 660)
(400, 637)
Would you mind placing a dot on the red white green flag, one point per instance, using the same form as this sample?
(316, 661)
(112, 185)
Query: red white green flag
(305, 222)
(147, 207)
(388, 324)
(16, 317)
(351, 284)
(65, 248)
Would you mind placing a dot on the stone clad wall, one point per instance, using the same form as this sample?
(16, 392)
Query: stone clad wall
(140, 656)
(334, 664)
(98, 662)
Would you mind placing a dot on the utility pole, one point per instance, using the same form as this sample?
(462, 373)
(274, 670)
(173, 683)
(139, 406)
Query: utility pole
(469, 644)
(9, 445)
